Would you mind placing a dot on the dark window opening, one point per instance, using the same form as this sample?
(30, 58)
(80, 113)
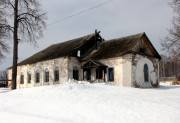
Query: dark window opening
(37, 77)
(142, 50)
(22, 79)
(75, 74)
(99, 73)
(56, 75)
(29, 78)
(46, 76)
(111, 74)
(146, 72)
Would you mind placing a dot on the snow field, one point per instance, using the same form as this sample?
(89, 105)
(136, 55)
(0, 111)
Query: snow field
(90, 103)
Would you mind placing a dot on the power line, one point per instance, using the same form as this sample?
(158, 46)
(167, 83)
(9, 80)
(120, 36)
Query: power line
(80, 12)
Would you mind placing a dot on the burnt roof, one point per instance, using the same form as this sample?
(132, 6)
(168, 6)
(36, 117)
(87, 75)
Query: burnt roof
(58, 50)
(118, 47)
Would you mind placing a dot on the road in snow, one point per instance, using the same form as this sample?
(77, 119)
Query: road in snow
(90, 103)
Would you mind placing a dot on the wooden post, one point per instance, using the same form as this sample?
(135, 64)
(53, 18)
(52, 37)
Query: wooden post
(83, 73)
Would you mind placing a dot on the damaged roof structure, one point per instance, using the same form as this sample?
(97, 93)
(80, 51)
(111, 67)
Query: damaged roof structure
(121, 46)
(107, 49)
(58, 50)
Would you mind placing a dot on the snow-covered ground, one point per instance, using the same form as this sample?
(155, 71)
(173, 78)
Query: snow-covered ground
(90, 103)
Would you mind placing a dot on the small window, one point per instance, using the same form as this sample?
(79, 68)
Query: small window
(37, 77)
(111, 74)
(46, 75)
(142, 50)
(99, 74)
(146, 73)
(79, 53)
(56, 75)
(22, 79)
(29, 77)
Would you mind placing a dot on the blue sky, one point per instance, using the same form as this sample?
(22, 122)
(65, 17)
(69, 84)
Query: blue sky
(115, 19)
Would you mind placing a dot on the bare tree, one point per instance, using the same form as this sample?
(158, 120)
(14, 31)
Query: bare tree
(3, 36)
(172, 42)
(26, 22)
(3, 78)
(169, 67)
(4, 48)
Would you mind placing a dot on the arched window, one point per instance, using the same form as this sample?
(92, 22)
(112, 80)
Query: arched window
(29, 77)
(146, 73)
(46, 75)
(56, 74)
(37, 76)
(22, 79)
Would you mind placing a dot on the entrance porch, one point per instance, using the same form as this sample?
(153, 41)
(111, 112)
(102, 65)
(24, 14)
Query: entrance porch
(94, 71)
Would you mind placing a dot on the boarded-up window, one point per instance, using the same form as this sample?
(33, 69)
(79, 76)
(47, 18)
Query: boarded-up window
(37, 77)
(56, 75)
(111, 74)
(46, 75)
(22, 79)
(146, 73)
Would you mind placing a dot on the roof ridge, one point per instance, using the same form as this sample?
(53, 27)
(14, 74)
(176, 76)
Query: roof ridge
(73, 39)
(140, 34)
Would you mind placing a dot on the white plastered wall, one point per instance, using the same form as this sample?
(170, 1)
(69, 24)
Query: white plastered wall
(138, 71)
(127, 70)
(51, 65)
(117, 64)
(74, 63)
